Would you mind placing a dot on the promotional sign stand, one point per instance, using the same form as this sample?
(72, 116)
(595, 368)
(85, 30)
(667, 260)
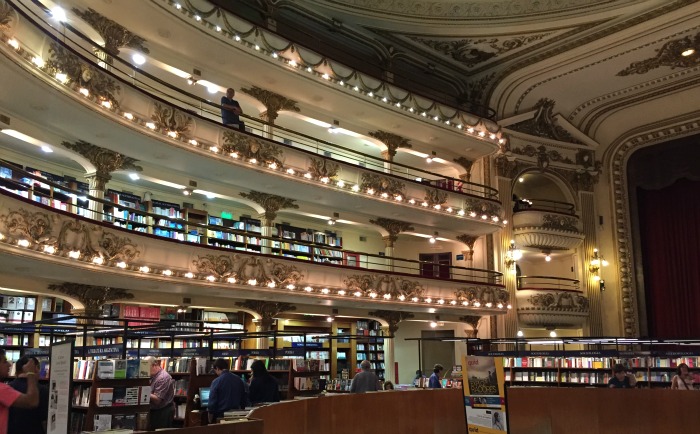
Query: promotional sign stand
(60, 386)
(484, 394)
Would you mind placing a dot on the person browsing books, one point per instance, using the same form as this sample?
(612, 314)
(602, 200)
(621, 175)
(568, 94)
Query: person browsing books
(228, 392)
(162, 395)
(263, 386)
(434, 380)
(28, 420)
(366, 380)
(9, 397)
(621, 379)
(682, 380)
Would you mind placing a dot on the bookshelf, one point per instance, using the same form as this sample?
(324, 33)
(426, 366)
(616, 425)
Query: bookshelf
(110, 393)
(195, 229)
(126, 211)
(369, 345)
(165, 219)
(650, 371)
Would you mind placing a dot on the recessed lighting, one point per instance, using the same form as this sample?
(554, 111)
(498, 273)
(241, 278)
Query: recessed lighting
(46, 149)
(58, 14)
(688, 52)
(134, 176)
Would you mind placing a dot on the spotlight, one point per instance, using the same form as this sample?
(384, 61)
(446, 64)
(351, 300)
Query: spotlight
(433, 238)
(187, 192)
(429, 159)
(332, 220)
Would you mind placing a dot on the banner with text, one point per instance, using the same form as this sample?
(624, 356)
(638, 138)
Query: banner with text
(484, 394)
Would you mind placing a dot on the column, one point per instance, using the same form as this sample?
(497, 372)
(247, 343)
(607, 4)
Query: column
(510, 320)
(388, 159)
(389, 356)
(590, 286)
(389, 251)
(268, 128)
(267, 227)
(97, 184)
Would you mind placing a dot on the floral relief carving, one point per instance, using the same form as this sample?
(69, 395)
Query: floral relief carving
(668, 55)
(81, 75)
(482, 207)
(322, 168)
(560, 222)
(251, 148)
(274, 103)
(169, 119)
(391, 140)
(35, 227)
(220, 266)
(7, 15)
(560, 301)
(114, 35)
(433, 197)
(544, 124)
(117, 248)
(482, 296)
(382, 184)
(391, 286)
(92, 297)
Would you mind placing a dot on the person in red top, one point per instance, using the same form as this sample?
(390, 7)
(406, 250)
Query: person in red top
(9, 397)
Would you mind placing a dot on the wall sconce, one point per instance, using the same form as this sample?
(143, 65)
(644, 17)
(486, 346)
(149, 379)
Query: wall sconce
(601, 282)
(597, 261)
(432, 239)
(513, 255)
(332, 220)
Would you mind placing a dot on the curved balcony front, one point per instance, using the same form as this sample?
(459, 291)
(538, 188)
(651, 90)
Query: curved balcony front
(153, 122)
(546, 225)
(54, 245)
(550, 302)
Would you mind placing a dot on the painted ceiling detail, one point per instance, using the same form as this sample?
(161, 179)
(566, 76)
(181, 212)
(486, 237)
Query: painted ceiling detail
(471, 52)
(670, 54)
(544, 124)
(474, 9)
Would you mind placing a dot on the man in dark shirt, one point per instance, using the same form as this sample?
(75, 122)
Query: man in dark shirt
(230, 110)
(28, 420)
(228, 392)
(621, 379)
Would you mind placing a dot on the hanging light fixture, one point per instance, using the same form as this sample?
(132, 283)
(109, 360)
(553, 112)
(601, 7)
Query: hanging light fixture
(433, 238)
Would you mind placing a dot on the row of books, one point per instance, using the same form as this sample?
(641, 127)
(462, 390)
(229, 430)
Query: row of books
(105, 422)
(598, 362)
(373, 348)
(19, 303)
(123, 396)
(307, 383)
(374, 365)
(14, 340)
(111, 369)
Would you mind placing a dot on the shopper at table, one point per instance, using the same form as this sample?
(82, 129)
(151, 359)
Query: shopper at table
(366, 380)
(682, 380)
(28, 420)
(263, 386)
(162, 396)
(9, 397)
(622, 379)
(434, 380)
(228, 392)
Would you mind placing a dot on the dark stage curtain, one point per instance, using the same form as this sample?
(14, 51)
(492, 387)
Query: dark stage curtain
(669, 222)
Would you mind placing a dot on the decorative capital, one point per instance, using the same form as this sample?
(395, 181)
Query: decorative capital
(394, 227)
(274, 103)
(92, 297)
(473, 321)
(267, 310)
(391, 140)
(114, 35)
(467, 239)
(270, 202)
(105, 161)
(392, 317)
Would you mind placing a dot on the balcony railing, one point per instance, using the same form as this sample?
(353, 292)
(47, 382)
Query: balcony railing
(544, 205)
(548, 283)
(163, 92)
(66, 199)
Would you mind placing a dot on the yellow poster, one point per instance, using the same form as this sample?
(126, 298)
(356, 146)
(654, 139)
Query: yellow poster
(484, 394)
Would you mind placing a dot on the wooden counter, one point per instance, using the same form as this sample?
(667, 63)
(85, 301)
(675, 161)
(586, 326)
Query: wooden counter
(602, 411)
(432, 411)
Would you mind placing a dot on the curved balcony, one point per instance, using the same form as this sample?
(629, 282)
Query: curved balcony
(546, 225)
(53, 244)
(545, 301)
(123, 96)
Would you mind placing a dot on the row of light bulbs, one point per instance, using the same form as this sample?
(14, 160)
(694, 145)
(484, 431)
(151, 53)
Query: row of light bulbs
(145, 269)
(325, 76)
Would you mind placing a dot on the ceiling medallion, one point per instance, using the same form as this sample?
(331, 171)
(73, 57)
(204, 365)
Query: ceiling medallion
(672, 53)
